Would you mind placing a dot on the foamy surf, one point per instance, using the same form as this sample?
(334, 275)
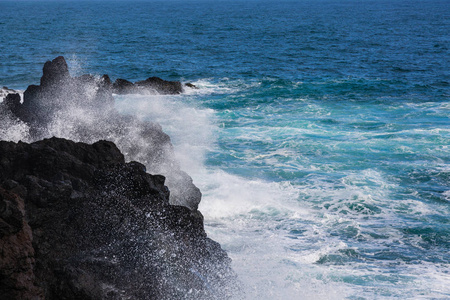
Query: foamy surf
(324, 237)
(210, 86)
(335, 234)
(319, 135)
(252, 219)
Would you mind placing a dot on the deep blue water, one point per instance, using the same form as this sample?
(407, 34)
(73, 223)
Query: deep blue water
(320, 135)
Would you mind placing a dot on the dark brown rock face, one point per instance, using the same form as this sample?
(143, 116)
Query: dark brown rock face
(77, 222)
(122, 86)
(17, 280)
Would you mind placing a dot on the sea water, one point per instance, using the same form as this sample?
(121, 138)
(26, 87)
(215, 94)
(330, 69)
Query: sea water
(319, 133)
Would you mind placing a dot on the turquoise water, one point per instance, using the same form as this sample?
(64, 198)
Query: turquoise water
(319, 134)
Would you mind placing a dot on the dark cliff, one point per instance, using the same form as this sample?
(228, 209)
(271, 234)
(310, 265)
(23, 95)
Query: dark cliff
(80, 218)
(77, 222)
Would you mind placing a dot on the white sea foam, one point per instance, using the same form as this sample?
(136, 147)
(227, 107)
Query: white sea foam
(208, 86)
(13, 129)
(190, 128)
(251, 219)
(240, 212)
(447, 195)
(76, 65)
(276, 232)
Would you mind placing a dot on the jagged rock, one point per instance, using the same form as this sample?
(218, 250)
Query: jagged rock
(106, 81)
(77, 222)
(161, 86)
(122, 86)
(12, 101)
(190, 85)
(59, 91)
(4, 91)
(82, 109)
(55, 72)
(153, 85)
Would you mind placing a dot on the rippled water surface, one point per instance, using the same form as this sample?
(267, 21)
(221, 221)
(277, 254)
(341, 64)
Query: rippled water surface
(319, 135)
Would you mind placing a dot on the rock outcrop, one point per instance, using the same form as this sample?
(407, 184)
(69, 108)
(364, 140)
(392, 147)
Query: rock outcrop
(4, 91)
(152, 85)
(78, 222)
(82, 109)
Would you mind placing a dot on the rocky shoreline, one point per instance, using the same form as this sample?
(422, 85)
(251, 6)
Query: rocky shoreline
(80, 218)
(82, 109)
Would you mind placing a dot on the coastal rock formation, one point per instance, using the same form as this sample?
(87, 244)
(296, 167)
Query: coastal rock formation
(82, 109)
(4, 91)
(156, 83)
(152, 85)
(81, 220)
(123, 86)
(78, 222)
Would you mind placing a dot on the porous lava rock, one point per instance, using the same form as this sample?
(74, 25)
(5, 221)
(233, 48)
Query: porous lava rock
(79, 222)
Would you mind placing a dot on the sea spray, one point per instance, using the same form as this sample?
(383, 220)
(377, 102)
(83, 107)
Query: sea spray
(322, 234)
(338, 109)
(192, 127)
(235, 208)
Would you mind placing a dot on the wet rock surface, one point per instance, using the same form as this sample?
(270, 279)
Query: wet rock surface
(78, 222)
(82, 109)
(152, 85)
(4, 91)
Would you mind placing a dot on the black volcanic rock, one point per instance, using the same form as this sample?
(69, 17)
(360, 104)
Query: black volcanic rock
(78, 222)
(4, 91)
(122, 86)
(12, 101)
(17, 280)
(190, 85)
(160, 85)
(152, 85)
(55, 72)
(82, 109)
(58, 91)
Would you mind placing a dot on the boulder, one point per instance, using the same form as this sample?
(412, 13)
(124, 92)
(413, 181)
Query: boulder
(55, 72)
(161, 86)
(4, 91)
(152, 85)
(190, 85)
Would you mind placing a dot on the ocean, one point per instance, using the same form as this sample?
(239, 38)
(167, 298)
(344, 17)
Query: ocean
(319, 134)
